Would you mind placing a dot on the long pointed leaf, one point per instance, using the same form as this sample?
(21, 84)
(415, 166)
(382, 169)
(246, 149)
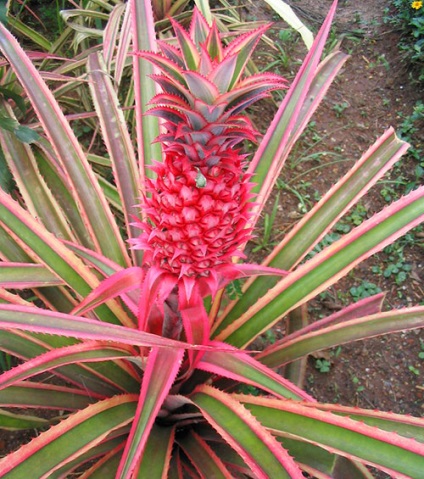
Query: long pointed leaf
(245, 434)
(117, 139)
(397, 455)
(46, 248)
(84, 352)
(99, 219)
(147, 126)
(81, 431)
(245, 369)
(272, 152)
(161, 369)
(157, 453)
(40, 395)
(327, 267)
(353, 330)
(21, 276)
(42, 321)
(315, 224)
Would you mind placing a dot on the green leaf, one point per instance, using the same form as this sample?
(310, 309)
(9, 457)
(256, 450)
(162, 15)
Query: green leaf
(117, 140)
(245, 369)
(144, 39)
(40, 395)
(157, 453)
(69, 439)
(345, 332)
(202, 456)
(327, 267)
(14, 422)
(97, 215)
(21, 275)
(161, 370)
(392, 453)
(316, 223)
(26, 135)
(254, 444)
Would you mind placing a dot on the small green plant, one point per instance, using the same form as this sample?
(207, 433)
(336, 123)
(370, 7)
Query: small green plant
(339, 108)
(414, 370)
(323, 365)
(421, 353)
(269, 220)
(357, 382)
(364, 290)
(398, 270)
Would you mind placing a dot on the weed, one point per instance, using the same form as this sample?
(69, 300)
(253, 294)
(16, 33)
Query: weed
(269, 220)
(234, 289)
(304, 198)
(339, 108)
(381, 60)
(414, 370)
(357, 382)
(323, 365)
(248, 389)
(397, 270)
(364, 290)
(421, 353)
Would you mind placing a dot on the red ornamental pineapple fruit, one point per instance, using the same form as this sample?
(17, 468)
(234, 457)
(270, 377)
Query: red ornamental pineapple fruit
(198, 205)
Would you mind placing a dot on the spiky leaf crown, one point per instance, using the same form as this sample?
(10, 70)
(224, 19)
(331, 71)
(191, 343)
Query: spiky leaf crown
(203, 92)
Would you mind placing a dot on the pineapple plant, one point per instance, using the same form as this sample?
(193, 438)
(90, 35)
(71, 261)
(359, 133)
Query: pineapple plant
(152, 371)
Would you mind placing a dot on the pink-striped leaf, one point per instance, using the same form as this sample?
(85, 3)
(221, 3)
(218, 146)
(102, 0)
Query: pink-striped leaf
(318, 222)
(161, 370)
(273, 150)
(343, 332)
(99, 220)
(399, 456)
(23, 275)
(45, 248)
(402, 424)
(119, 283)
(327, 267)
(111, 34)
(156, 457)
(117, 140)
(189, 51)
(243, 46)
(257, 447)
(23, 166)
(147, 127)
(203, 458)
(77, 353)
(29, 394)
(245, 369)
(10, 421)
(70, 438)
(42, 321)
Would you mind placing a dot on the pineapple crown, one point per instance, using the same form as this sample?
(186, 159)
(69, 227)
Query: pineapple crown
(203, 91)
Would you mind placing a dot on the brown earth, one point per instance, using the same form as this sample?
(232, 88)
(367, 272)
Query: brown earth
(372, 92)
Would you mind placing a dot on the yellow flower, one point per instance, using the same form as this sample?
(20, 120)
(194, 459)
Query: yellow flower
(417, 4)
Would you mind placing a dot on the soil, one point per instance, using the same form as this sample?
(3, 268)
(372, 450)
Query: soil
(373, 91)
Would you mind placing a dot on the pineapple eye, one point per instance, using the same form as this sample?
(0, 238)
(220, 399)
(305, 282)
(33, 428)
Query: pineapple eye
(200, 179)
